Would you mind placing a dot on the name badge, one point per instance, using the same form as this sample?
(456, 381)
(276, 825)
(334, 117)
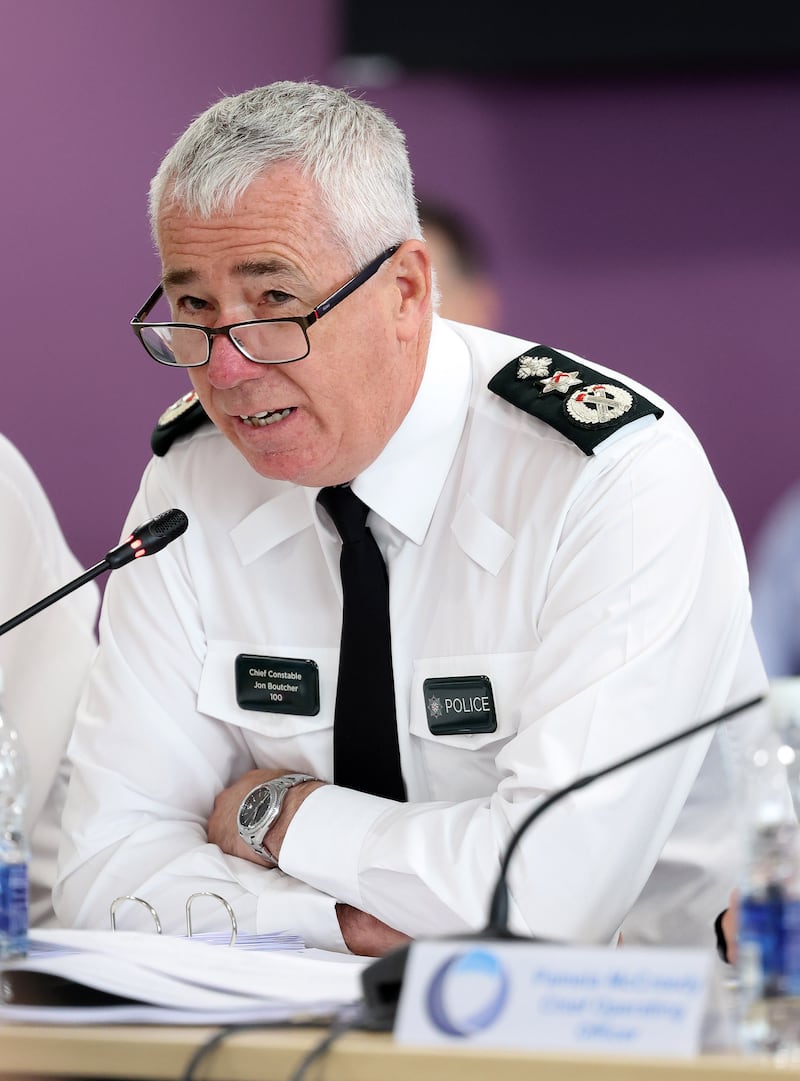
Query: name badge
(277, 685)
(459, 704)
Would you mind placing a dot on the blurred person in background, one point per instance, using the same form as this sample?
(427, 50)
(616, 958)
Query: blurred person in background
(775, 588)
(775, 585)
(43, 660)
(466, 292)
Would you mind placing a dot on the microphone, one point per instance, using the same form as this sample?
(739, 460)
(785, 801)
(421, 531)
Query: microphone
(382, 980)
(149, 538)
(145, 540)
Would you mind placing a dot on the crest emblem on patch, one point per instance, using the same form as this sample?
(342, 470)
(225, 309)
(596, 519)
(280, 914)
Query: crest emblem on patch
(560, 381)
(180, 418)
(598, 404)
(435, 706)
(533, 367)
(177, 409)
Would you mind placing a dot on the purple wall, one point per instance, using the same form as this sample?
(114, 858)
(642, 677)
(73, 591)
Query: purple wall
(651, 225)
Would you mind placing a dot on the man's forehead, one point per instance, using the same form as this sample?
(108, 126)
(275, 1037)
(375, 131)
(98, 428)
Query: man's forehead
(260, 235)
(237, 243)
(243, 268)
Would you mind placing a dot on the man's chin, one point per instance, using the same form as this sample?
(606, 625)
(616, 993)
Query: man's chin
(290, 466)
(295, 463)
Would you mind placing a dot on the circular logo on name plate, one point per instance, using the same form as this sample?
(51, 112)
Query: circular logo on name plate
(467, 993)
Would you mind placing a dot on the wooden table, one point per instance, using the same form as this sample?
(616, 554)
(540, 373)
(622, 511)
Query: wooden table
(163, 1052)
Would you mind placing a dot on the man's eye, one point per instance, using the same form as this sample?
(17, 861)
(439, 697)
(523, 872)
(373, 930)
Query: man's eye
(191, 304)
(275, 298)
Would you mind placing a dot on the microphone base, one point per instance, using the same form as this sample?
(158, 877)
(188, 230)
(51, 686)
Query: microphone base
(381, 983)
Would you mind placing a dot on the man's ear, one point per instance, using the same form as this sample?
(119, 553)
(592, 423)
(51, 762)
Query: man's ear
(411, 265)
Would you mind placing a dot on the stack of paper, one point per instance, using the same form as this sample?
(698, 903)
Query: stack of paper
(133, 976)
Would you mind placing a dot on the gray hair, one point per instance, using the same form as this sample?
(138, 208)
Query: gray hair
(352, 150)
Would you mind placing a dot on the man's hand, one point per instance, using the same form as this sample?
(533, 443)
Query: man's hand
(363, 934)
(366, 935)
(223, 829)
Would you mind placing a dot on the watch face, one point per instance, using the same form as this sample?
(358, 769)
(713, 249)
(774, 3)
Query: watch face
(254, 807)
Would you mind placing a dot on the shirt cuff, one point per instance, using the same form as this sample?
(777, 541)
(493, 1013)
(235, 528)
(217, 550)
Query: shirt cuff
(323, 843)
(288, 905)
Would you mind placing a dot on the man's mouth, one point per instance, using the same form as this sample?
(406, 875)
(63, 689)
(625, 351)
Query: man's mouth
(269, 416)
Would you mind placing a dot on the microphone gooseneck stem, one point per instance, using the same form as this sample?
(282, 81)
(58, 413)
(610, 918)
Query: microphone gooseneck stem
(382, 980)
(498, 911)
(81, 580)
(145, 540)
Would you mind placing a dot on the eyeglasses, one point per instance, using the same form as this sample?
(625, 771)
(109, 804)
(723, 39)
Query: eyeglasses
(265, 341)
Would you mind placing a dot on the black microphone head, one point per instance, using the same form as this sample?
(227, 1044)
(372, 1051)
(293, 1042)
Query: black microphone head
(149, 538)
(162, 529)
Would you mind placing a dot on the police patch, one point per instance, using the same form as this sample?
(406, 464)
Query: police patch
(576, 400)
(459, 705)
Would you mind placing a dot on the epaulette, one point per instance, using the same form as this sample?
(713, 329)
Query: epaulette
(178, 419)
(581, 403)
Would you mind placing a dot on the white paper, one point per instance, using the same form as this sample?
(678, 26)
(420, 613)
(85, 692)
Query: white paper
(175, 979)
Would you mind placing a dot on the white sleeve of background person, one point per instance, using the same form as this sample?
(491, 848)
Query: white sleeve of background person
(44, 660)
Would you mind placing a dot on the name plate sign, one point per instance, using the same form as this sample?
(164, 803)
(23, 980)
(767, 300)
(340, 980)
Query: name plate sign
(641, 1001)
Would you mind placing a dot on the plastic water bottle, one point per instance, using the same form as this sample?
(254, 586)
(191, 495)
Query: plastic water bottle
(768, 941)
(14, 853)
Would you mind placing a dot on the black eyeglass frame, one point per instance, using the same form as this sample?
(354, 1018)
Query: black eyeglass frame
(303, 321)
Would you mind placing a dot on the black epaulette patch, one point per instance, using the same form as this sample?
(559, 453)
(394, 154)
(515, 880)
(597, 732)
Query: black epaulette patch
(581, 403)
(178, 419)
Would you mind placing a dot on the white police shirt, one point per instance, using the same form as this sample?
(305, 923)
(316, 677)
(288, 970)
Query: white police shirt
(44, 661)
(604, 597)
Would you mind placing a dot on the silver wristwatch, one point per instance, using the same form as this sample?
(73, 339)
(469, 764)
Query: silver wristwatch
(259, 809)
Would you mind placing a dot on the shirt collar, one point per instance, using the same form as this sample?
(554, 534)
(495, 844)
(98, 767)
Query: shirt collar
(404, 482)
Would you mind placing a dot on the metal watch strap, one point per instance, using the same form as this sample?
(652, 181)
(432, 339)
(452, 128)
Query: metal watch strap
(278, 786)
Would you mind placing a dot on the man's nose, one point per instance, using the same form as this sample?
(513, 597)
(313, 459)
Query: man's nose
(227, 365)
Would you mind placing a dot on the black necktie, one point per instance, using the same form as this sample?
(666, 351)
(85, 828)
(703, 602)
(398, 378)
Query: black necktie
(365, 750)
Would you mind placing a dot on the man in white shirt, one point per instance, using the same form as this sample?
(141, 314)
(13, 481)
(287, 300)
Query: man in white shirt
(567, 584)
(44, 660)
